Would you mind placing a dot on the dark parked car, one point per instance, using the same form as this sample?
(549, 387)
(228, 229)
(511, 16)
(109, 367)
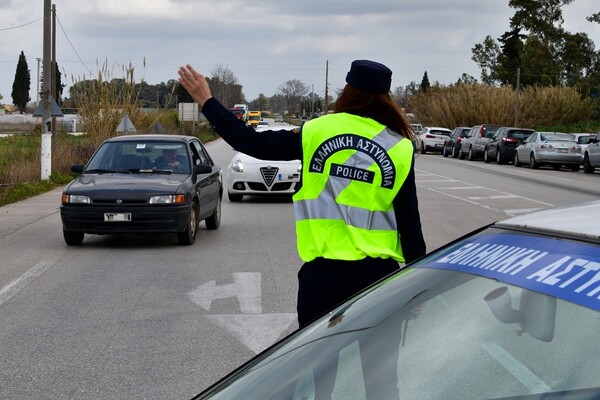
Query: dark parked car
(502, 145)
(143, 184)
(452, 144)
(474, 144)
(510, 311)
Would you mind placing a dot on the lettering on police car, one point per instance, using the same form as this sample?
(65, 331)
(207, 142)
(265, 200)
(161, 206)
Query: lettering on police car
(354, 142)
(560, 268)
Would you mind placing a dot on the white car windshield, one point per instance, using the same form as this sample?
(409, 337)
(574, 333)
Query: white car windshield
(437, 333)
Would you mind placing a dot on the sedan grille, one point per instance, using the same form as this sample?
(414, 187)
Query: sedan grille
(269, 173)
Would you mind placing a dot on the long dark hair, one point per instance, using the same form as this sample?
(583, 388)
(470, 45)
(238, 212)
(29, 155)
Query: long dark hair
(379, 107)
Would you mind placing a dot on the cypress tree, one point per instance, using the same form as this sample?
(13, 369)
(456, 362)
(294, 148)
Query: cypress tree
(425, 85)
(21, 85)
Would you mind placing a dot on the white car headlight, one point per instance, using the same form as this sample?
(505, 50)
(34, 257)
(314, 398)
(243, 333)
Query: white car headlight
(300, 167)
(237, 165)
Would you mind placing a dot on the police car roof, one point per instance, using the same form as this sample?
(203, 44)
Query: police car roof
(580, 221)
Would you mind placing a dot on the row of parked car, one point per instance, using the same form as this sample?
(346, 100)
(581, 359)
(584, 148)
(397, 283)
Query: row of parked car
(515, 145)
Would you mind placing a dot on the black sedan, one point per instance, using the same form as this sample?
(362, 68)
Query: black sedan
(143, 184)
(510, 311)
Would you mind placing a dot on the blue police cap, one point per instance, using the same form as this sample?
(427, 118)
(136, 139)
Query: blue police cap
(369, 76)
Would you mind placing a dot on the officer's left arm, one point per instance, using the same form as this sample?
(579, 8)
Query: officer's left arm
(406, 207)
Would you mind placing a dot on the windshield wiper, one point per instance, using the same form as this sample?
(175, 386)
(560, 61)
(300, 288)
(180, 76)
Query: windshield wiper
(100, 171)
(159, 171)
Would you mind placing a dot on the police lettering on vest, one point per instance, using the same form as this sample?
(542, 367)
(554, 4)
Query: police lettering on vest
(361, 144)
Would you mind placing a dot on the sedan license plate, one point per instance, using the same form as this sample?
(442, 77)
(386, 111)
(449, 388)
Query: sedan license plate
(117, 217)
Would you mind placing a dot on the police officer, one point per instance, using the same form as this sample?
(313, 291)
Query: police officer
(357, 214)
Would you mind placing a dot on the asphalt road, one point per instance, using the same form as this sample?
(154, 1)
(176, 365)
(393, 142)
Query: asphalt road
(144, 318)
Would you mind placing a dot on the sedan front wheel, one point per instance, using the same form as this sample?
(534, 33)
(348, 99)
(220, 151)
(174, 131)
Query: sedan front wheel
(214, 220)
(73, 238)
(188, 236)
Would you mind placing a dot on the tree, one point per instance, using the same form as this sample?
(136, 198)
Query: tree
(224, 86)
(578, 56)
(262, 103)
(425, 85)
(594, 17)
(540, 67)
(509, 59)
(293, 91)
(485, 56)
(466, 79)
(22, 84)
(59, 87)
(540, 17)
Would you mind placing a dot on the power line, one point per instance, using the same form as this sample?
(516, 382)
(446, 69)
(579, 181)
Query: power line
(20, 26)
(71, 44)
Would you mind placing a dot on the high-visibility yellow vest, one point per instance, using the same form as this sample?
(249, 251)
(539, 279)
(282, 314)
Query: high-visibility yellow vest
(352, 169)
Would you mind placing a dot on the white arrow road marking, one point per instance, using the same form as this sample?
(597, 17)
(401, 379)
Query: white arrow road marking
(246, 287)
(256, 331)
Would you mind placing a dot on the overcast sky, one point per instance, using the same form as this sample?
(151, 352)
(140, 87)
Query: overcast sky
(264, 42)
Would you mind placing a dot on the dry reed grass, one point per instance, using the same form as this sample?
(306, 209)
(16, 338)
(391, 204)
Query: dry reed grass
(469, 105)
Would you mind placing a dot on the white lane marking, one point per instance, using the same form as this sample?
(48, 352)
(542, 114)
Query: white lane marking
(246, 287)
(15, 286)
(497, 197)
(521, 211)
(526, 376)
(472, 200)
(461, 187)
(255, 331)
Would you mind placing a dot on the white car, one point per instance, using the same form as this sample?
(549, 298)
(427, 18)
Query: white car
(583, 140)
(433, 139)
(249, 176)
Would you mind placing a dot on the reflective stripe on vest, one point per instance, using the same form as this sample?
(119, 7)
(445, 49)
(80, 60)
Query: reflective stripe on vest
(341, 171)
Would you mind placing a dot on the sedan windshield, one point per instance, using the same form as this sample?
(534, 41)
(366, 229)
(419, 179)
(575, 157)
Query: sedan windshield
(435, 333)
(140, 157)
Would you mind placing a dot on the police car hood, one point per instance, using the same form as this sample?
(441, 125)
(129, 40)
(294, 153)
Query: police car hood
(579, 221)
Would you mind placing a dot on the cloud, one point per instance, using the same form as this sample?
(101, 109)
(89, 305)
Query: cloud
(264, 42)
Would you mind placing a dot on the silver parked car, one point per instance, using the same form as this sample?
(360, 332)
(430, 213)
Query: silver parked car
(510, 311)
(591, 155)
(549, 148)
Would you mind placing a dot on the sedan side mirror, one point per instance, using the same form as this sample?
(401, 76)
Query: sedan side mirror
(203, 169)
(77, 168)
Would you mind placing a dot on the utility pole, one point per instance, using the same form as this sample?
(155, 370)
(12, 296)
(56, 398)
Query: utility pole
(37, 91)
(53, 64)
(46, 151)
(517, 99)
(326, 102)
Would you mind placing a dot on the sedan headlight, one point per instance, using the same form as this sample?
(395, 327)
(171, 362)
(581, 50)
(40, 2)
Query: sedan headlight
(300, 167)
(168, 199)
(75, 199)
(237, 165)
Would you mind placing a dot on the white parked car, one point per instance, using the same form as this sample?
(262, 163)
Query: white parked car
(583, 139)
(249, 176)
(433, 139)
